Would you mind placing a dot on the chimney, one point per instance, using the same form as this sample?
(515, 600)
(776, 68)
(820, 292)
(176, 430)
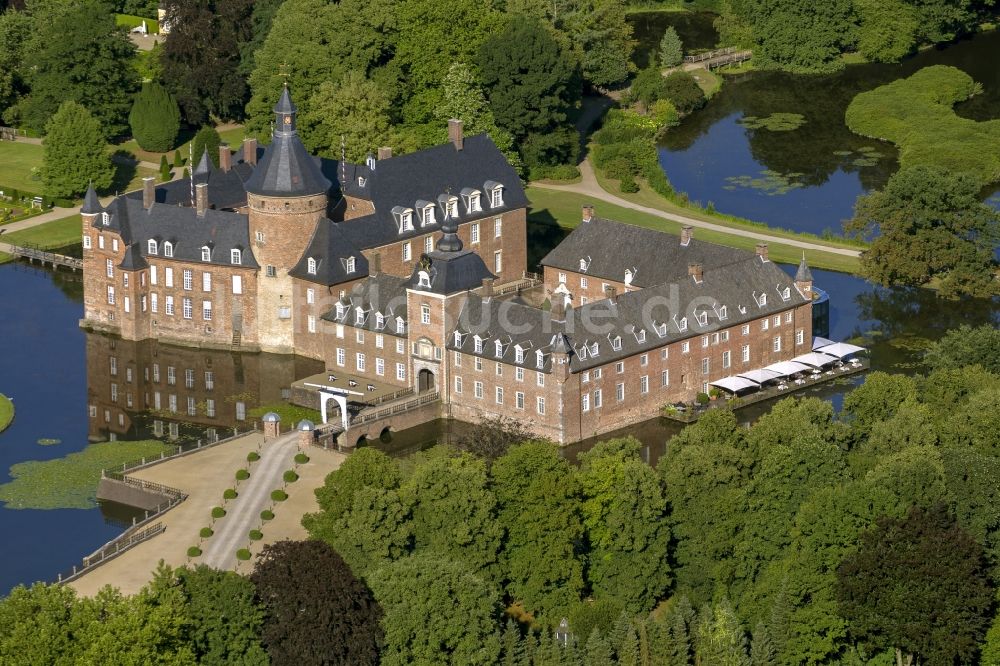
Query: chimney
(588, 212)
(762, 251)
(375, 265)
(609, 291)
(148, 192)
(384, 153)
(455, 133)
(201, 198)
(696, 271)
(250, 150)
(687, 233)
(225, 157)
(487, 287)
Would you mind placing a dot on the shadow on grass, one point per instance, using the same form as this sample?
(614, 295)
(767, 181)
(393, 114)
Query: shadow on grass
(544, 233)
(125, 169)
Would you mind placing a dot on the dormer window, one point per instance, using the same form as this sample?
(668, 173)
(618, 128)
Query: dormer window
(206, 253)
(370, 161)
(661, 329)
(474, 204)
(361, 181)
(349, 265)
(702, 318)
(168, 249)
(584, 265)
(518, 354)
(478, 344)
(616, 343)
(496, 196)
(379, 320)
(407, 220)
(458, 338)
(151, 246)
(340, 311)
(682, 324)
(359, 315)
(404, 218)
(786, 294)
(451, 207)
(723, 312)
(498, 346)
(423, 279)
(641, 335)
(311, 266)
(105, 219)
(400, 325)
(762, 300)
(235, 256)
(539, 359)
(428, 214)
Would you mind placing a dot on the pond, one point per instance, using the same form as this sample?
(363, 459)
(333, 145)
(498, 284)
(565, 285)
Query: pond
(695, 29)
(808, 178)
(61, 380)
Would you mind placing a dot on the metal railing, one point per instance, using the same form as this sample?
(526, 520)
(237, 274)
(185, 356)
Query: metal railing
(396, 409)
(178, 452)
(708, 55)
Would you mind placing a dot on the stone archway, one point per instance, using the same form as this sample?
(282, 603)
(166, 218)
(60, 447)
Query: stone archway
(425, 381)
(341, 401)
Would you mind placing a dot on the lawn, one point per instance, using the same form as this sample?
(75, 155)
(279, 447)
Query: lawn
(70, 482)
(563, 208)
(130, 21)
(57, 233)
(16, 163)
(233, 136)
(6, 412)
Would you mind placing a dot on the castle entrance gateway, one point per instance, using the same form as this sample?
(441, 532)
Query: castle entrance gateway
(349, 393)
(425, 381)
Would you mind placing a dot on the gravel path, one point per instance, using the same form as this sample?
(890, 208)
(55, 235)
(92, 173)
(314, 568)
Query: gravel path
(243, 513)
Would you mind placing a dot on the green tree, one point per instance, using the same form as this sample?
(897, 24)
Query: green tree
(365, 467)
(602, 35)
(917, 585)
(671, 49)
(75, 153)
(624, 513)
(316, 611)
(529, 80)
(877, 400)
(201, 57)
(762, 650)
(436, 612)
(15, 31)
(539, 507)
(207, 138)
(887, 30)
(41, 610)
(454, 512)
(927, 223)
(648, 86)
(683, 91)
(261, 19)
(154, 118)
(223, 619)
(597, 651)
(966, 346)
(78, 53)
(355, 110)
(719, 638)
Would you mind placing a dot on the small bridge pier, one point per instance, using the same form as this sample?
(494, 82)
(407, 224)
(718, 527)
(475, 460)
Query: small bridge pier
(374, 422)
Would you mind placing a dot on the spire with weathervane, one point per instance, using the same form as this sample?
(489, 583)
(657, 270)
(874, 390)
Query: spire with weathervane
(804, 278)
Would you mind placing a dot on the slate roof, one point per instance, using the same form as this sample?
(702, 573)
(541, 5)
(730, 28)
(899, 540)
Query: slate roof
(222, 231)
(382, 293)
(287, 168)
(91, 205)
(331, 248)
(803, 274)
(226, 190)
(450, 272)
(610, 248)
(591, 330)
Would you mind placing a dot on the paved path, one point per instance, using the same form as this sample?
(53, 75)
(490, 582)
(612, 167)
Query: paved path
(590, 188)
(243, 513)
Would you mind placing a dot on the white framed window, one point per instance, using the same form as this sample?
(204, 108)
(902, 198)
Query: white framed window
(171, 375)
(206, 310)
(189, 378)
(259, 236)
(379, 366)
(206, 282)
(478, 364)
(499, 369)
(114, 244)
(111, 295)
(496, 196)
(585, 402)
(341, 356)
(206, 253)
(125, 280)
(776, 343)
(519, 374)
(187, 308)
(128, 304)
(428, 244)
(620, 392)
(168, 249)
(685, 347)
(474, 232)
(726, 360)
(458, 385)
(311, 266)
(664, 353)
(428, 214)
(665, 378)
(310, 296)
(379, 341)
(788, 317)
(154, 302)
(474, 204)
(87, 243)
(407, 252)
(597, 373)
(745, 329)
(241, 411)
(237, 284)
(187, 280)
(584, 283)
(540, 378)
(799, 337)
(745, 353)
(235, 257)
(401, 372)
(270, 271)
(311, 323)
(498, 262)
(110, 268)
(209, 380)
(478, 390)
(562, 278)
(620, 367)
(644, 384)
(777, 321)
(499, 395)
(168, 277)
(704, 341)
(100, 241)
(400, 347)
(360, 362)
(766, 324)
(519, 400)
(151, 246)
(350, 265)
(425, 314)
(540, 405)
(497, 227)
(168, 306)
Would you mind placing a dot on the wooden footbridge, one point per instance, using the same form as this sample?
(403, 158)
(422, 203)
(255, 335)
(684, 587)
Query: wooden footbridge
(717, 58)
(33, 253)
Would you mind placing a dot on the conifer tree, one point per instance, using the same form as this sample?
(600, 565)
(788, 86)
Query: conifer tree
(155, 118)
(75, 153)
(178, 160)
(762, 650)
(671, 50)
(597, 652)
(513, 646)
(206, 139)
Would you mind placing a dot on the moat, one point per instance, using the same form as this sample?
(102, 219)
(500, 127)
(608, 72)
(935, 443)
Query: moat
(60, 377)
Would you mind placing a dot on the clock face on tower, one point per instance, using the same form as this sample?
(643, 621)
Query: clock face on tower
(288, 120)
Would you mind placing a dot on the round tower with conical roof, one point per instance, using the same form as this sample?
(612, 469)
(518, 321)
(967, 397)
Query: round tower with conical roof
(287, 198)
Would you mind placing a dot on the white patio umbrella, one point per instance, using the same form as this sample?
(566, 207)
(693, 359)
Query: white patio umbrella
(840, 349)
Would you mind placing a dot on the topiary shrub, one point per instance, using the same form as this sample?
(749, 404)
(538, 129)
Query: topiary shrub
(242, 475)
(702, 399)
(206, 532)
(230, 493)
(243, 554)
(218, 512)
(266, 514)
(194, 551)
(178, 160)
(256, 535)
(207, 139)
(155, 118)
(301, 459)
(290, 476)
(253, 456)
(279, 495)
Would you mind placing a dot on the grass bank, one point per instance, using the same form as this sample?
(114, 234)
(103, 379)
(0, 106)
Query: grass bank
(57, 233)
(6, 412)
(70, 482)
(19, 164)
(564, 209)
(916, 114)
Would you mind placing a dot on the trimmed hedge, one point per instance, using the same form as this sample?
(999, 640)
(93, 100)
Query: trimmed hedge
(194, 551)
(242, 475)
(290, 476)
(206, 532)
(279, 495)
(218, 512)
(301, 459)
(253, 456)
(243, 554)
(256, 535)
(267, 514)
(230, 493)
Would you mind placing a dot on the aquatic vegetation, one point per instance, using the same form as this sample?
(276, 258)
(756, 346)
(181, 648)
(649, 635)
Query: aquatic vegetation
(776, 122)
(865, 156)
(916, 114)
(769, 182)
(6, 412)
(70, 482)
(48, 441)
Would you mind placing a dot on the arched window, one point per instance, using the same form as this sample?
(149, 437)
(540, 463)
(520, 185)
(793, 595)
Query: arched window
(206, 253)
(151, 246)
(311, 266)
(168, 249)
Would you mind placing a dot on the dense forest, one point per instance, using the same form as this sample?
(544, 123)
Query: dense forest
(868, 536)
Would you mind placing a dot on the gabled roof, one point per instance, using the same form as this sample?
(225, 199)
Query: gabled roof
(221, 231)
(610, 248)
(330, 248)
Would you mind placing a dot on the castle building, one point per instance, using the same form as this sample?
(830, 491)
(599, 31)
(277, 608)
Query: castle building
(407, 275)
